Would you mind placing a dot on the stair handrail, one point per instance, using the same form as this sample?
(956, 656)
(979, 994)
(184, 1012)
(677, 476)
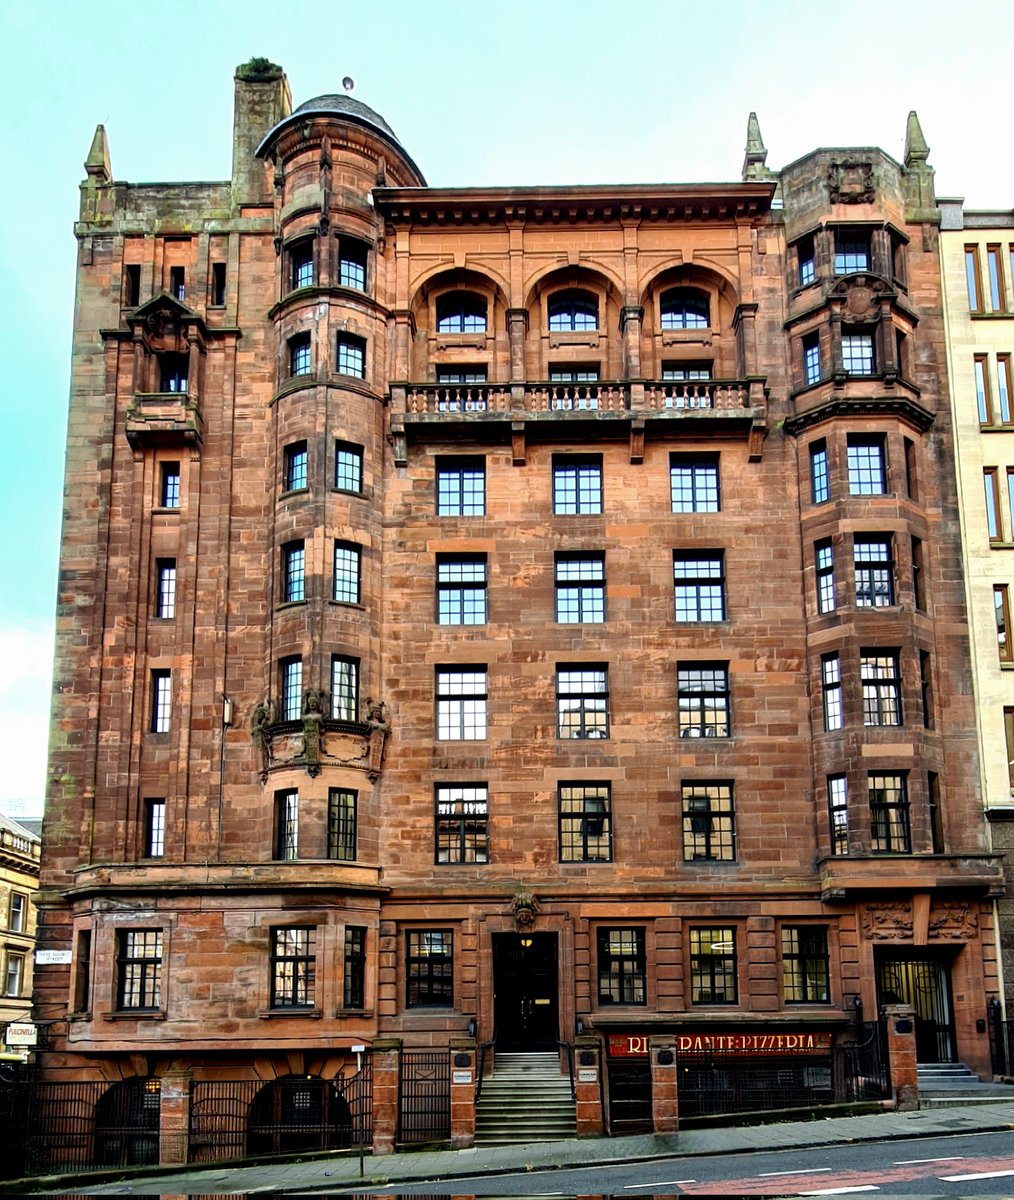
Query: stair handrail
(570, 1065)
(481, 1064)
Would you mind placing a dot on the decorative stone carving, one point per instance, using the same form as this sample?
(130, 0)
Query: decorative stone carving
(318, 740)
(887, 921)
(850, 182)
(953, 920)
(313, 721)
(261, 720)
(525, 908)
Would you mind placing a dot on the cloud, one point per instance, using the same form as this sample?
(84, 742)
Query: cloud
(26, 651)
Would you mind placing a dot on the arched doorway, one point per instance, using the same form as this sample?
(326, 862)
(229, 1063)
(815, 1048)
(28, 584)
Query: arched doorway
(127, 1123)
(298, 1113)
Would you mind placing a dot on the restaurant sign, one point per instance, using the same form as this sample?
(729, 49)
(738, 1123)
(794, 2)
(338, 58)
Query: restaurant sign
(624, 1045)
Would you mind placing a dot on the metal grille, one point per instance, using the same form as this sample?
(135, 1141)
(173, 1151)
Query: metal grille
(248, 1117)
(425, 1096)
(711, 1084)
(860, 1067)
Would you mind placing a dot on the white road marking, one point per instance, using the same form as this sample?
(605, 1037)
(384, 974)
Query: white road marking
(805, 1171)
(908, 1162)
(977, 1175)
(630, 1187)
(866, 1187)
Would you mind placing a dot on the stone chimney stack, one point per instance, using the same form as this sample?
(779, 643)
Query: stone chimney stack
(262, 100)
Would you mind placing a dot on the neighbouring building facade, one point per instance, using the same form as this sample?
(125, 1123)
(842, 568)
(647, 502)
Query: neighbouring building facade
(19, 882)
(517, 612)
(977, 267)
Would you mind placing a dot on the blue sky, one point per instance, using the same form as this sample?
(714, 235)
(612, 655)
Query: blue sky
(577, 91)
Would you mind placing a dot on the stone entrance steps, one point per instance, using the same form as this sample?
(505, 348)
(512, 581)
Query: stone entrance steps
(525, 1099)
(953, 1084)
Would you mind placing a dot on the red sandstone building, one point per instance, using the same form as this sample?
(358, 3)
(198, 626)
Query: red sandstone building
(515, 612)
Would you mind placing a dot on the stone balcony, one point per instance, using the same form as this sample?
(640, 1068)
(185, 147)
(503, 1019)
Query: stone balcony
(421, 410)
(159, 418)
(847, 877)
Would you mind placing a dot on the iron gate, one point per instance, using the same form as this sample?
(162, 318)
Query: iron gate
(424, 1101)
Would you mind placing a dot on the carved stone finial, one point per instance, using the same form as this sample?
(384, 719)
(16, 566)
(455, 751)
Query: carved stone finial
(916, 149)
(920, 190)
(97, 163)
(756, 153)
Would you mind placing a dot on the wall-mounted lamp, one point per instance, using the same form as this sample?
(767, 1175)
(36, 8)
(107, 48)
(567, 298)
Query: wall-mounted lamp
(580, 1027)
(526, 942)
(471, 1027)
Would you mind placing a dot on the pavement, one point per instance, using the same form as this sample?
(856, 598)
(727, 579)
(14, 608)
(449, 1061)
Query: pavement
(339, 1172)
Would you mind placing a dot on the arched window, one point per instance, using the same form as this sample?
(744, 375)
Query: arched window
(573, 310)
(127, 1123)
(298, 1113)
(685, 308)
(461, 312)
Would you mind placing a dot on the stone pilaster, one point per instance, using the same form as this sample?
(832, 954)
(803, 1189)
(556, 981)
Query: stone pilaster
(901, 1056)
(664, 1091)
(462, 1093)
(386, 1054)
(588, 1086)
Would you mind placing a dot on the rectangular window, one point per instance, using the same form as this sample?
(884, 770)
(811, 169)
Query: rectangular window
(579, 373)
(17, 919)
(851, 252)
(161, 700)
(342, 811)
(693, 483)
(293, 966)
(348, 467)
(866, 466)
(293, 573)
(982, 399)
(935, 815)
(347, 564)
(972, 279)
(881, 683)
(344, 688)
(824, 562)
(580, 589)
(857, 357)
(351, 358)
(709, 833)
(585, 822)
(874, 569)
(622, 966)
(462, 698)
(462, 823)
(1001, 610)
(139, 969)
(582, 702)
(461, 590)
(702, 693)
(820, 490)
(812, 370)
(991, 487)
(805, 964)
(296, 462)
(287, 825)
(14, 974)
(301, 260)
(429, 968)
(461, 488)
(218, 285)
(911, 474)
(838, 814)
(806, 260)
(456, 377)
(173, 373)
(889, 823)
(926, 689)
(577, 486)
(713, 965)
(178, 283)
(132, 285)
(994, 272)
(1008, 730)
(291, 672)
(354, 968)
(918, 574)
(699, 584)
(300, 362)
(830, 682)
(352, 259)
(1003, 389)
(154, 828)
(689, 372)
(169, 492)
(83, 971)
(165, 588)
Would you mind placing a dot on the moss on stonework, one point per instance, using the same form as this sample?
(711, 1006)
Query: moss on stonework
(259, 70)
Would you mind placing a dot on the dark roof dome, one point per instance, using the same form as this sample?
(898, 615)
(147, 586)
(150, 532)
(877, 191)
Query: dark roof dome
(351, 109)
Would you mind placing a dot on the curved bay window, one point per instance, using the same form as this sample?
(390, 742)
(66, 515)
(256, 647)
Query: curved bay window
(572, 311)
(685, 308)
(461, 312)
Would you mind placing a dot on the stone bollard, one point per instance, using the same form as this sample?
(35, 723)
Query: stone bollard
(174, 1117)
(462, 1093)
(386, 1056)
(901, 1056)
(588, 1086)
(664, 1086)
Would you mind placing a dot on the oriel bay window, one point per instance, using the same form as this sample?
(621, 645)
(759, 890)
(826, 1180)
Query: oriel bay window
(462, 823)
(838, 813)
(874, 571)
(353, 257)
(354, 967)
(851, 251)
(291, 687)
(889, 813)
(429, 968)
(294, 470)
(703, 697)
(830, 684)
(139, 969)
(805, 964)
(820, 490)
(881, 682)
(348, 467)
(824, 564)
(342, 805)
(301, 267)
(713, 965)
(708, 830)
(350, 356)
(866, 466)
(347, 567)
(857, 354)
(293, 966)
(344, 688)
(622, 966)
(293, 572)
(287, 825)
(300, 362)
(584, 813)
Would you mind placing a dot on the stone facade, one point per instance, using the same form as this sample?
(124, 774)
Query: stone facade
(469, 598)
(19, 883)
